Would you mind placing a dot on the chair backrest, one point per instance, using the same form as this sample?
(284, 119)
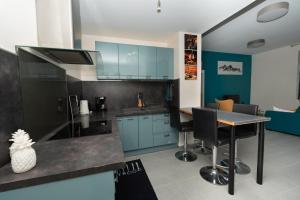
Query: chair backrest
(205, 125)
(212, 105)
(249, 109)
(174, 117)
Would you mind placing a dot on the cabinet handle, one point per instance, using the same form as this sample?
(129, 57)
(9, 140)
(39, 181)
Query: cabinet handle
(165, 77)
(148, 77)
(166, 122)
(146, 117)
(167, 135)
(129, 76)
(166, 115)
(130, 119)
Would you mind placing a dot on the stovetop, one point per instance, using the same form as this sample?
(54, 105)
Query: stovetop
(84, 128)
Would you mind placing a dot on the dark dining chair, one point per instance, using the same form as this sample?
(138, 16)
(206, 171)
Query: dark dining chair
(183, 127)
(242, 132)
(206, 128)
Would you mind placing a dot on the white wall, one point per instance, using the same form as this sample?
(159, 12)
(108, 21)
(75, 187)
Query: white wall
(54, 23)
(18, 24)
(274, 78)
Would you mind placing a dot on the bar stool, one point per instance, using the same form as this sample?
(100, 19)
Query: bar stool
(242, 132)
(206, 128)
(182, 127)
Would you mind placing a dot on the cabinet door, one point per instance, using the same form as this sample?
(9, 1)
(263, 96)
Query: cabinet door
(128, 61)
(109, 67)
(165, 62)
(130, 133)
(147, 62)
(145, 131)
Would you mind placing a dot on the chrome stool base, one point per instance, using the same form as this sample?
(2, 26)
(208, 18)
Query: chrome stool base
(214, 176)
(186, 156)
(240, 167)
(202, 149)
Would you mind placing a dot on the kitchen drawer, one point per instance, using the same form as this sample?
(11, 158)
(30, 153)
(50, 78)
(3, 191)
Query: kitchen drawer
(161, 116)
(161, 125)
(165, 138)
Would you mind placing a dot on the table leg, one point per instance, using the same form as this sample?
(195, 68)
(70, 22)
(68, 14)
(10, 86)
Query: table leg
(231, 161)
(260, 156)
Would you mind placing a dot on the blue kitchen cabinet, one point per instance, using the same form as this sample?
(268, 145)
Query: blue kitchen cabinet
(108, 68)
(128, 61)
(145, 131)
(165, 63)
(93, 187)
(147, 62)
(128, 129)
(163, 133)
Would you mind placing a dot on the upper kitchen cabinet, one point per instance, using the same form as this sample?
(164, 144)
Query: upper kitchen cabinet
(147, 62)
(109, 67)
(165, 63)
(128, 61)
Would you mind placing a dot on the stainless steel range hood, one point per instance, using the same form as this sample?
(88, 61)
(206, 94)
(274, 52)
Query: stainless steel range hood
(64, 56)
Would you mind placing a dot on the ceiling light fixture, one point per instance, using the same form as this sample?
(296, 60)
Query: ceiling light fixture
(272, 12)
(158, 9)
(256, 43)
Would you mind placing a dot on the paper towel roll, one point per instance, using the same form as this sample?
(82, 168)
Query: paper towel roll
(84, 108)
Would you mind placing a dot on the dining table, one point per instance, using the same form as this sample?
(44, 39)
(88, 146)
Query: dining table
(234, 119)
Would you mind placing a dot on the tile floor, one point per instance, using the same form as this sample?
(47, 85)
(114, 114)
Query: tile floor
(176, 180)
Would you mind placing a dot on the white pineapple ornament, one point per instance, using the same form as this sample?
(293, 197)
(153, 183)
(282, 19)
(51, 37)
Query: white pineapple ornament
(23, 156)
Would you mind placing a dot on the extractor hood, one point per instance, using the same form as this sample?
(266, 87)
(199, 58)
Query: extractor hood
(64, 56)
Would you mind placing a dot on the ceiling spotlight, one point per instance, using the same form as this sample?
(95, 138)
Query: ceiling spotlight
(158, 9)
(272, 12)
(256, 43)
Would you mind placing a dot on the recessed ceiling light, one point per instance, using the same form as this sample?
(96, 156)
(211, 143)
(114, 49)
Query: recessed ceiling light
(158, 9)
(272, 12)
(256, 43)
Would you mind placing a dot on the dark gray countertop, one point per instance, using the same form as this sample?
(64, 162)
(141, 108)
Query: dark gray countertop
(74, 157)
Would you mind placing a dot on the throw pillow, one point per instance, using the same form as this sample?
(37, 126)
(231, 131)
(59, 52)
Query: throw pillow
(225, 105)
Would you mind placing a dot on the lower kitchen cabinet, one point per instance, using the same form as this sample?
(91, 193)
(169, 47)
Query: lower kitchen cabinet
(129, 132)
(146, 131)
(165, 138)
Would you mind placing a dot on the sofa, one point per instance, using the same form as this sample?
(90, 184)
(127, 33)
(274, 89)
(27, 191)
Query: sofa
(284, 122)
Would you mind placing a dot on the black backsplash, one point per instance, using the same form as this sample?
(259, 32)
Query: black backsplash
(74, 86)
(11, 113)
(123, 94)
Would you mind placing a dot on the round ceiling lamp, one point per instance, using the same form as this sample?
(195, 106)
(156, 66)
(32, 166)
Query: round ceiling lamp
(273, 12)
(256, 43)
(158, 8)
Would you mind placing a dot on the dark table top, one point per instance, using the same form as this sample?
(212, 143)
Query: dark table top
(233, 118)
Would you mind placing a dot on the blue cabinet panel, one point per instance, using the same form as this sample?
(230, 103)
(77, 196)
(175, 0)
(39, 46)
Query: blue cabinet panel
(165, 62)
(128, 128)
(109, 67)
(147, 62)
(145, 131)
(128, 61)
(161, 123)
(92, 187)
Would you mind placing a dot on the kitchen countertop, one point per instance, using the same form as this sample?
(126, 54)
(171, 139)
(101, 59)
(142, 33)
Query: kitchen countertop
(75, 157)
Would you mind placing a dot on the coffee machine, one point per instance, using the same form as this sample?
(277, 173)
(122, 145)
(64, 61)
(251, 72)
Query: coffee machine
(100, 104)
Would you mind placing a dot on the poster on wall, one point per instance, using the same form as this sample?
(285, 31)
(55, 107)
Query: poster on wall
(190, 57)
(230, 68)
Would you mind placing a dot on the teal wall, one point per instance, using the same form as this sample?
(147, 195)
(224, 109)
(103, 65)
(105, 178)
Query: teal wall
(218, 85)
